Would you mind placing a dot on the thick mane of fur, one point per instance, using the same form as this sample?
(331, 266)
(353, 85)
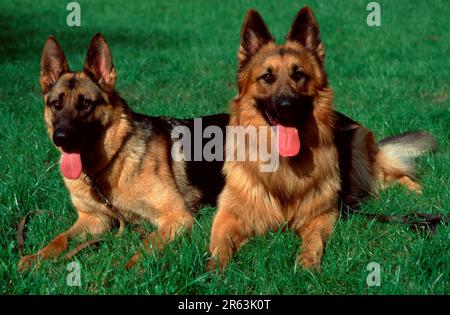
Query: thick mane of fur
(337, 158)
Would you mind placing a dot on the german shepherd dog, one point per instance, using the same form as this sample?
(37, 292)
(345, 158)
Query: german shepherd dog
(108, 152)
(324, 155)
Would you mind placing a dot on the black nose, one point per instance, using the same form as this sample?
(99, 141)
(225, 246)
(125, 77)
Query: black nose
(59, 137)
(283, 102)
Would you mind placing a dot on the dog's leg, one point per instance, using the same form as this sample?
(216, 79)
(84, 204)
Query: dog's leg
(169, 226)
(227, 235)
(87, 223)
(314, 235)
(410, 184)
(403, 180)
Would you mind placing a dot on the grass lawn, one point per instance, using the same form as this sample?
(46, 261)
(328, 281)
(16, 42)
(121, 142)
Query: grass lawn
(178, 58)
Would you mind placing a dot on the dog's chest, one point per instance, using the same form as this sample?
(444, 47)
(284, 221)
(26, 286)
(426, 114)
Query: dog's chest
(118, 203)
(287, 182)
(300, 188)
(133, 207)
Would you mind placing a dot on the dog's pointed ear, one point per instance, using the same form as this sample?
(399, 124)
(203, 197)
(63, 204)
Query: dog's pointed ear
(53, 64)
(305, 31)
(99, 63)
(254, 35)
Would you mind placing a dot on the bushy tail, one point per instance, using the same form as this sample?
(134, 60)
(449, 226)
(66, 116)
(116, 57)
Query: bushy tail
(400, 151)
(394, 161)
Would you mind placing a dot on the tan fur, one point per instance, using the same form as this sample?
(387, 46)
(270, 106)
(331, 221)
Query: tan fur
(304, 191)
(133, 172)
(303, 196)
(374, 168)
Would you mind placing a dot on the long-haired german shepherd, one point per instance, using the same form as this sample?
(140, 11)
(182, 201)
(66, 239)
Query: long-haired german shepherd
(323, 154)
(117, 164)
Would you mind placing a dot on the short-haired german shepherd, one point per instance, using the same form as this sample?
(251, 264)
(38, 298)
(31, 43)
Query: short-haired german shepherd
(117, 164)
(323, 154)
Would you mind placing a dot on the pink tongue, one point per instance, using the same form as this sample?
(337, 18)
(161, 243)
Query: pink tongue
(71, 165)
(288, 141)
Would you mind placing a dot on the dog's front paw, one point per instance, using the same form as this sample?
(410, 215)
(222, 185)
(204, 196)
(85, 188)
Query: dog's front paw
(216, 264)
(26, 262)
(212, 265)
(133, 260)
(310, 262)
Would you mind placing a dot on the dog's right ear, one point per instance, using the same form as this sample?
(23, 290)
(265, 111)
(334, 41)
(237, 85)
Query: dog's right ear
(53, 64)
(254, 35)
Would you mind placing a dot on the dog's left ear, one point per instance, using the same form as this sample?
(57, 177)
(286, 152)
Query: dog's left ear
(99, 63)
(305, 31)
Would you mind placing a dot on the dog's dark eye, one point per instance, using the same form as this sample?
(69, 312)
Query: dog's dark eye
(56, 104)
(83, 104)
(86, 103)
(298, 75)
(268, 78)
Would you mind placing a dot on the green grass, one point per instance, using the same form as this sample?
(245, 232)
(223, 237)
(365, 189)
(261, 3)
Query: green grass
(178, 58)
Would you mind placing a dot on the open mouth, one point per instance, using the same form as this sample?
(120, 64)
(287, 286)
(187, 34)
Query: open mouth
(288, 138)
(269, 118)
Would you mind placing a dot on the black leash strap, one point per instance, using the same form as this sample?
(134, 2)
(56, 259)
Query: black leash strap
(69, 255)
(92, 182)
(21, 228)
(418, 221)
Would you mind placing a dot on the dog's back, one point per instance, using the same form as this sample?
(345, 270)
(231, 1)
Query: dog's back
(119, 165)
(207, 175)
(367, 166)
